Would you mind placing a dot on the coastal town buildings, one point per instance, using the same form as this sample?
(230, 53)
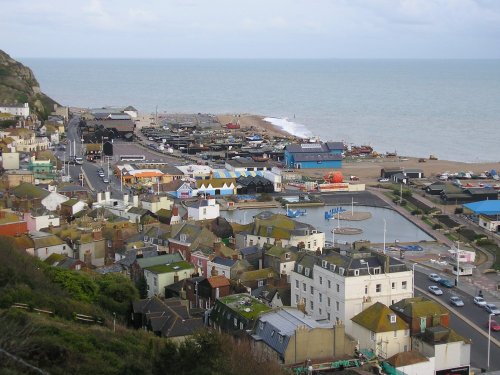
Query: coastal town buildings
(338, 286)
(314, 155)
(16, 109)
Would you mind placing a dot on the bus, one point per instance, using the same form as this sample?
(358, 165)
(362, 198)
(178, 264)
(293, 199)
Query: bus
(132, 157)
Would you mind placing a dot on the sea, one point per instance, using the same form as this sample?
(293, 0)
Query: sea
(447, 108)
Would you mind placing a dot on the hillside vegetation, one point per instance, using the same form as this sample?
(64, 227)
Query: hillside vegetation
(57, 344)
(18, 85)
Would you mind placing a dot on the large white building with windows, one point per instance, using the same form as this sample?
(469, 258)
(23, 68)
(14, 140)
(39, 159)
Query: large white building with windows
(338, 286)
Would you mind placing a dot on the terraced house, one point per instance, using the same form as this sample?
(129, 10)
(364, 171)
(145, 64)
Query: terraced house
(339, 285)
(268, 228)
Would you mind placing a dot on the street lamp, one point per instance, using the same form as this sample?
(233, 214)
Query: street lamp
(489, 340)
(458, 262)
(413, 278)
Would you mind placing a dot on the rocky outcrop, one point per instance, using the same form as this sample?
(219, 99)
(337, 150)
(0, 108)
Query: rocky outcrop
(19, 85)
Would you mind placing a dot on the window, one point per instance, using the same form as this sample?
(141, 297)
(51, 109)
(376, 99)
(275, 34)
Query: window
(235, 322)
(312, 289)
(64, 247)
(260, 283)
(376, 271)
(304, 286)
(297, 284)
(338, 288)
(404, 284)
(204, 211)
(356, 272)
(329, 284)
(407, 333)
(155, 281)
(393, 285)
(241, 326)
(337, 305)
(299, 268)
(280, 339)
(320, 311)
(395, 333)
(328, 316)
(320, 280)
(366, 289)
(311, 303)
(392, 318)
(296, 298)
(307, 271)
(328, 301)
(308, 245)
(406, 348)
(272, 333)
(251, 244)
(315, 243)
(320, 297)
(378, 288)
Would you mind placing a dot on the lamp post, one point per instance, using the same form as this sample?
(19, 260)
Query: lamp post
(385, 225)
(413, 279)
(489, 340)
(458, 262)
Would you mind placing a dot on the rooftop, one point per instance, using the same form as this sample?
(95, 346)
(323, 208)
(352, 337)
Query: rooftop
(376, 318)
(245, 305)
(172, 267)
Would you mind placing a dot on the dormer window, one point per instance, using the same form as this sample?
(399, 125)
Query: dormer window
(376, 271)
(324, 264)
(287, 256)
(392, 318)
(183, 237)
(333, 267)
(341, 271)
(307, 271)
(356, 272)
(299, 268)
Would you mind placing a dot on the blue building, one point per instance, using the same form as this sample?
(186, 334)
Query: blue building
(314, 155)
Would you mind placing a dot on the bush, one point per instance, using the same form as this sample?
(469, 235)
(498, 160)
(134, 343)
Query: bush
(459, 210)
(403, 203)
(485, 242)
(479, 236)
(265, 197)
(437, 226)
(416, 212)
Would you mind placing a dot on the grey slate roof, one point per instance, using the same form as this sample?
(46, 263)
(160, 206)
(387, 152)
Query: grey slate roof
(276, 327)
(224, 261)
(160, 259)
(317, 157)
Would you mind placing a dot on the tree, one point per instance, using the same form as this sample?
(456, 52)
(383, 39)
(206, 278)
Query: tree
(142, 287)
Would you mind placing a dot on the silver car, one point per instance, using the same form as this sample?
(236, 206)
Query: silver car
(435, 290)
(492, 309)
(479, 301)
(456, 301)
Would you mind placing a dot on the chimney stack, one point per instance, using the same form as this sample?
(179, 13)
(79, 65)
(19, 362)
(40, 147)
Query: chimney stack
(135, 201)
(125, 199)
(217, 247)
(97, 234)
(107, 196)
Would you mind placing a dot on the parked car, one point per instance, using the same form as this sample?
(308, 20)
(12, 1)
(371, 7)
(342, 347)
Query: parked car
(492, 309)
(456, 301)
(435, 290)
(383, 180)
(494, 325)
(434, 277)
(105, 180)
(445, 282)
(479, 301)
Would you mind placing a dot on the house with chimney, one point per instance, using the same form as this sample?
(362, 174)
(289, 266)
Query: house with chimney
(71, 207)
(281, 259)
(268, 228)
(142, 262)
(12, 224)
(253, 279)
(38, 219)
(169, 318)
(420, 313)
(380, 330)
(202, 292)
(187, 237)
(46, 244)
(203, 209)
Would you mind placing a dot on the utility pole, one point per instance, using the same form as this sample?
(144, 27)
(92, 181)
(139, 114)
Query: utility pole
(458, 262)
(385, 223)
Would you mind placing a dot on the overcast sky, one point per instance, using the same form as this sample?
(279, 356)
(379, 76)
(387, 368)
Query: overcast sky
(251, 29)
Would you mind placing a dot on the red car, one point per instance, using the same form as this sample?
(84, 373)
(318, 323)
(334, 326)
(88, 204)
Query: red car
(494, 326)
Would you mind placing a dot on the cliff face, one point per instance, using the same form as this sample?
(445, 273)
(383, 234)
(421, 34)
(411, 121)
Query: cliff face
(19, 85)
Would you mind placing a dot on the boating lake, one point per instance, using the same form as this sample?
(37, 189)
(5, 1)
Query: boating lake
(398, 228)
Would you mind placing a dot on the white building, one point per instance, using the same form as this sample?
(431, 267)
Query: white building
(490, 222)
(10, 160)
(16, 109)
(155, 203)
(220, 267)
(339, 286)
(118, 207)
(160, 276)
(379, 329)
(269, 228)
(204, 209)
(274, 175)
(412, 363)
(53, 201)
(450, 350)
(46, 244)
(40, 221)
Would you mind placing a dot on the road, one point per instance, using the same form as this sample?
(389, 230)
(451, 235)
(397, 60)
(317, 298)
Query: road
(473, 313)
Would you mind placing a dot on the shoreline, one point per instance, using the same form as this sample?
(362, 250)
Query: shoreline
(363, 168)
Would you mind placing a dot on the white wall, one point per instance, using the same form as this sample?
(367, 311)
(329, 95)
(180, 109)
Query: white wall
(421, 368)
(10, 160)
(52, 201)
(385, 343)
(44, 252)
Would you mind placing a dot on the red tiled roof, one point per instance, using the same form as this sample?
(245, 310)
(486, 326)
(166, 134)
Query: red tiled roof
(218, 281)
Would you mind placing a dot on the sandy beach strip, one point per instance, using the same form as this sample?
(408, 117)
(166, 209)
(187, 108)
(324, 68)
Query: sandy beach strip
(255, 122)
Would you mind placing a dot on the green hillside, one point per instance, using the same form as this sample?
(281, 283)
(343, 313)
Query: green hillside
(57, 344)
(18, 85)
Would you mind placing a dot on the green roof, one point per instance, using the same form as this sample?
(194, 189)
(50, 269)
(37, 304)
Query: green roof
(257, 274)
(70, 202)
(419, 306)
(9, 217)
(47, 241)
(172, 267)
(376, 319)
(245, 305)
(26, 190)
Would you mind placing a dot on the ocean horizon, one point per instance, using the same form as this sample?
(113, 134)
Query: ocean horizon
(414, 107)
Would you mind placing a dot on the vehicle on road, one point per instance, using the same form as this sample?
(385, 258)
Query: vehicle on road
(79, 160)
(479, 301)
(494, 325)
(492, 309)
(445, 282)
(434, 277)
(383, 180)
(456, 301)
(105, 180)
(435, 290)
